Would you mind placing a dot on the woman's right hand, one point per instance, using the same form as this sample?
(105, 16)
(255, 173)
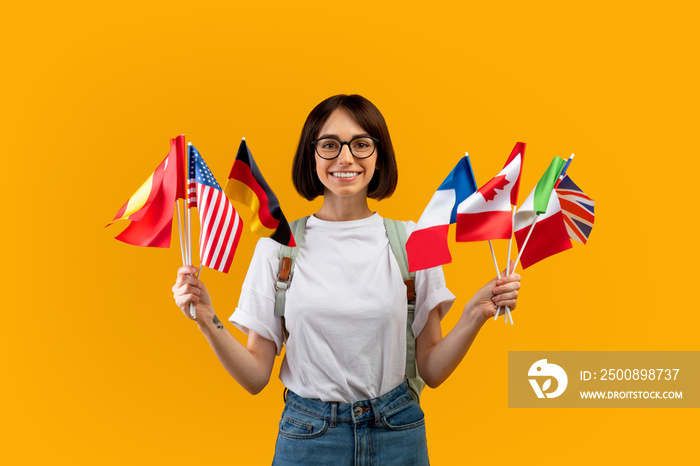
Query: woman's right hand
(188, 288)
(251, 366)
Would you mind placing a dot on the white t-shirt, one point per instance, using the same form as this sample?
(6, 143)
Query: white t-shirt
(345, 309)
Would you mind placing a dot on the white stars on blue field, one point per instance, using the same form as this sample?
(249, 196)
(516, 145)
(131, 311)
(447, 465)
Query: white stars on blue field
(200, 171)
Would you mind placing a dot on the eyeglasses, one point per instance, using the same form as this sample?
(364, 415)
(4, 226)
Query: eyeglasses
(360, 147)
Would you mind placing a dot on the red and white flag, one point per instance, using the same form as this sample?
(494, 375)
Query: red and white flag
(486, 214)
(549, 235)
(220, 225)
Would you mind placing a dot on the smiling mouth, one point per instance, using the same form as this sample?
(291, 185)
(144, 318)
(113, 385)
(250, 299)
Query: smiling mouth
(345, 174)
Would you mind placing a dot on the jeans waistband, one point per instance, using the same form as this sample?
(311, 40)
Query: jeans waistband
(359, 411)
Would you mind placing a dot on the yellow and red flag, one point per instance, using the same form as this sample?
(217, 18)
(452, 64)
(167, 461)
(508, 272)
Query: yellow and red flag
(247, 186)
(150, 208)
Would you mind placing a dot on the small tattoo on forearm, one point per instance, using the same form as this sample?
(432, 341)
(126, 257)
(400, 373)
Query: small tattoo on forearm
(218, 323)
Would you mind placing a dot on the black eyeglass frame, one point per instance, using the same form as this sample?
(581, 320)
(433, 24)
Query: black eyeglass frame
(340, 149)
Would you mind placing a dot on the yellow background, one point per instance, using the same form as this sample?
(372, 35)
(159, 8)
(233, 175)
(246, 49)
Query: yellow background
(99, 367)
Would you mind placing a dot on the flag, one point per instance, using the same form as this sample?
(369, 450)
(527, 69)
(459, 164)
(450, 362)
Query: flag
(220, 225)
(486, 214)
(549, 235)
(246, 185)
(427, 245)
(137, 205)
(577, 209)
(150, 209)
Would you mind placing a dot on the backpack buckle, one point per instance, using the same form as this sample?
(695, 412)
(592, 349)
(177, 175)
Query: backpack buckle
(285, 269)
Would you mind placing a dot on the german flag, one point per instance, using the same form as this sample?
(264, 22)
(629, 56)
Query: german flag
(247, 186)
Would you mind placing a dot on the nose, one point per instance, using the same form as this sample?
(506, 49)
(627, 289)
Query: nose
(345, 157)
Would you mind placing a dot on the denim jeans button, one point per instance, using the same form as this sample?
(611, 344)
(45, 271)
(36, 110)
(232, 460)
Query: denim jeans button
(359, 411)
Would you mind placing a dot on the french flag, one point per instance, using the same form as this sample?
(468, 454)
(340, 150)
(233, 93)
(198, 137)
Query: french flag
(486, 214)
(427, 245)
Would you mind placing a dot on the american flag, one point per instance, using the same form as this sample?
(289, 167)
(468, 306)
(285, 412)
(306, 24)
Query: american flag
(220, 225)
(577, 209)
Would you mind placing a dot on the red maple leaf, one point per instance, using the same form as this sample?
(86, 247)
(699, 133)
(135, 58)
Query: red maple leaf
(489, 189)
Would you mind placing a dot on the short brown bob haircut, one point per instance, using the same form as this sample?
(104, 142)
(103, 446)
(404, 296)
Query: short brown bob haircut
(369, 117)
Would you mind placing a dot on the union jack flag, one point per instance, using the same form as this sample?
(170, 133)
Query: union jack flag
(577, 209)
(220, 225)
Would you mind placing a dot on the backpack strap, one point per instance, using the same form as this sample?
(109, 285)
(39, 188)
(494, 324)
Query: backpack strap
(288, 257)
(396, 231)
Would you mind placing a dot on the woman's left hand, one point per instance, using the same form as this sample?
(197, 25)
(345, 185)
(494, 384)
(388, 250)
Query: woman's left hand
(502, 291)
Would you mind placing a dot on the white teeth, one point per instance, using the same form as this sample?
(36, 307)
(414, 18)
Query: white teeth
(345, 174)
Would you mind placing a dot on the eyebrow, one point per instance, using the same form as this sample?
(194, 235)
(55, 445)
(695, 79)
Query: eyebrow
(335, 136)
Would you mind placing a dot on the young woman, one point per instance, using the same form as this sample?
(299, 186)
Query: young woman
(347, 399)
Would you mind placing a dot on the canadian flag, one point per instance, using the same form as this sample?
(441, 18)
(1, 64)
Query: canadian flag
(486, 214)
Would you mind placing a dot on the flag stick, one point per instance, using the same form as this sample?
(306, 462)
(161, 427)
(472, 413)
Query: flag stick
(498, 274)
(183, 228)
(179, 229)
(188, 216)
(527, 238)
(189, 236)
(510, 244)
(507, 313)
(188, 244)
(563, 171)
(510, 241)
(193, 312)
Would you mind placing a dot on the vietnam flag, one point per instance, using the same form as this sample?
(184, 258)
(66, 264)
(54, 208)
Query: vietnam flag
(487, 213)
(549, 235)
(427, 245)
(247, 186)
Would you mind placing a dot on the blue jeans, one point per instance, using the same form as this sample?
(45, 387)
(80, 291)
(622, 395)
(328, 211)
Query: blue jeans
(389, 430)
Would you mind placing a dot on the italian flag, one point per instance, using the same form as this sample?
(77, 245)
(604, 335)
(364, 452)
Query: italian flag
(542, 210)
